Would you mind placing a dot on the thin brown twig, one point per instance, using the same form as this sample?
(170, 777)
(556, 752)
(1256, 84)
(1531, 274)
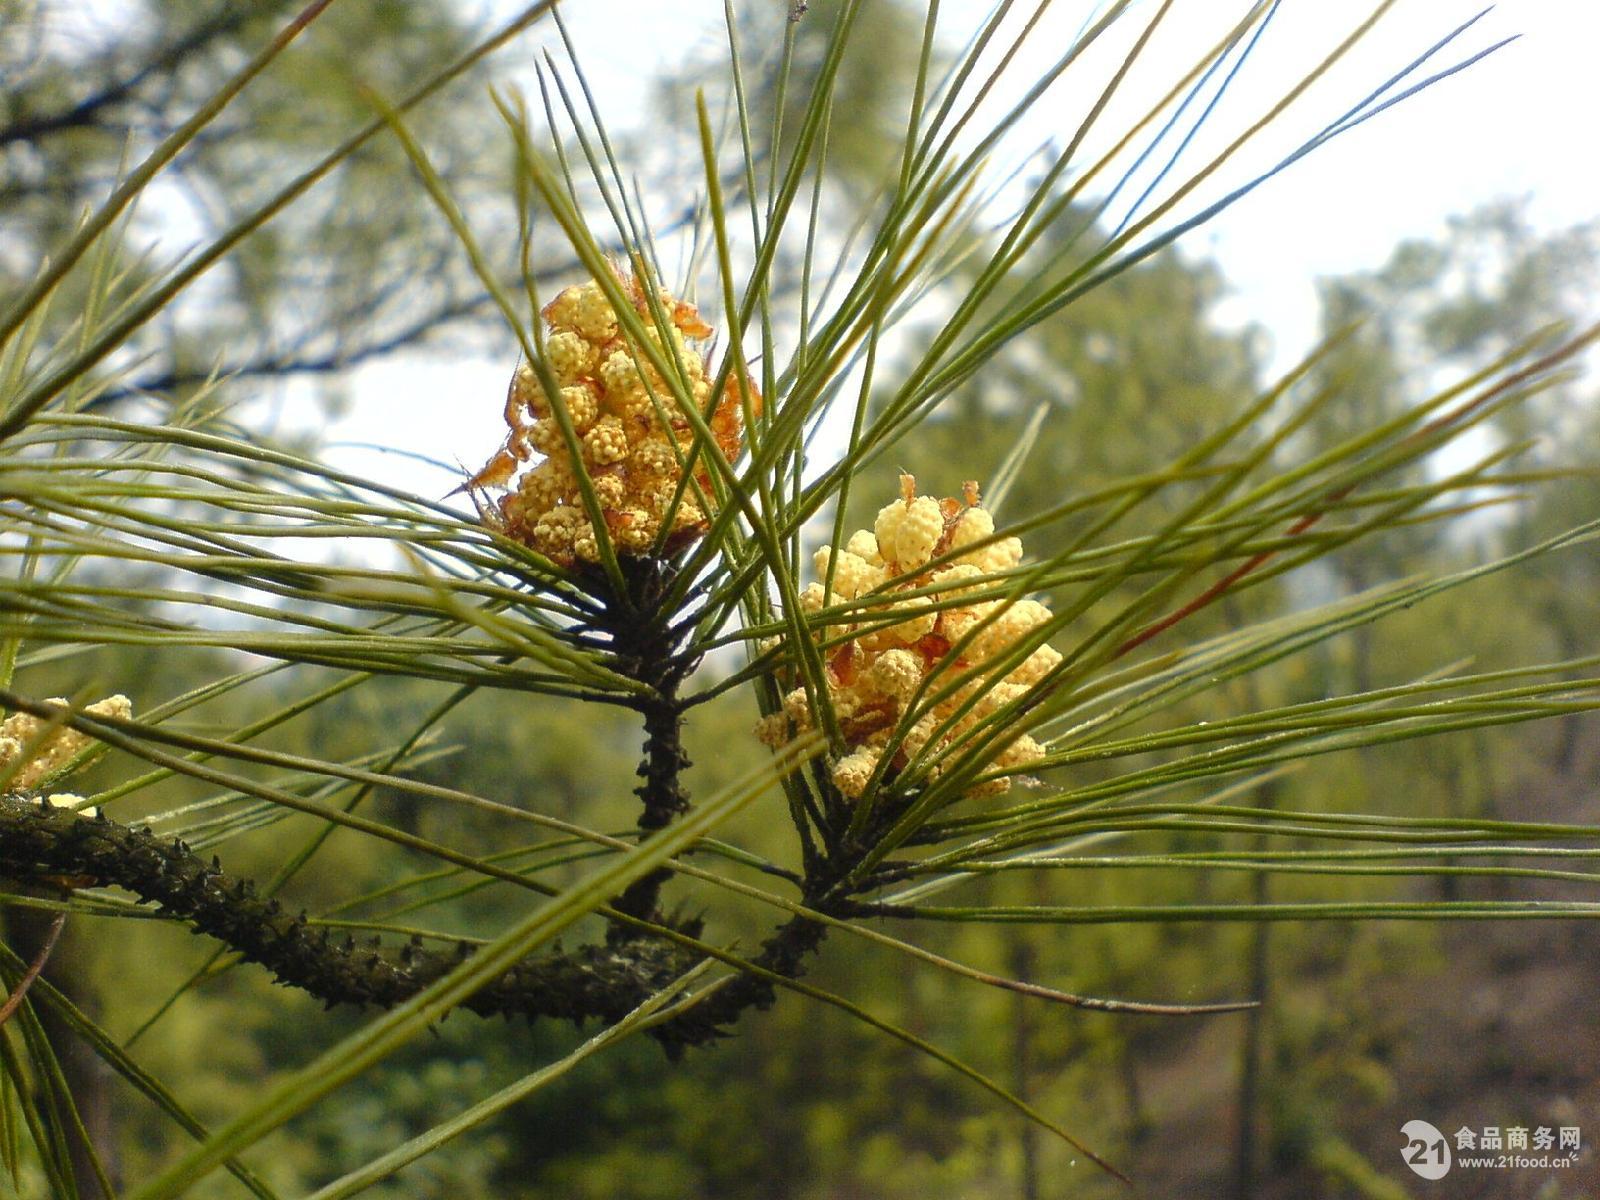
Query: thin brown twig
(1538, 367)
(20, 992)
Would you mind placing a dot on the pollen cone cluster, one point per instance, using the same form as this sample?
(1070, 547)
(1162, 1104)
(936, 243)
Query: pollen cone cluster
(632, 434)
(29, 754)
(873, 677)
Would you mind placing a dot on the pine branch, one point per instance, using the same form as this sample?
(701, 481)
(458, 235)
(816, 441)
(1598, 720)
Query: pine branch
(49, 845)
(40, 842)
(649, 649)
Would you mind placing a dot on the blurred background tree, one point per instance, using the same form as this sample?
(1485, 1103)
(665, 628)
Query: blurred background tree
(1299, 1098)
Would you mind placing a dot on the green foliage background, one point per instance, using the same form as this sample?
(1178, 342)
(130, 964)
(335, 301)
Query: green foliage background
(806, 1101)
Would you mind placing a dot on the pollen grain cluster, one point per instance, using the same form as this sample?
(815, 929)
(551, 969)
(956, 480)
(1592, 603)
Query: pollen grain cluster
(897, 648)
(631, 434)
(31, 750)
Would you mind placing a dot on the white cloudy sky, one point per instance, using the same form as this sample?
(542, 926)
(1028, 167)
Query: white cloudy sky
(1519, 123)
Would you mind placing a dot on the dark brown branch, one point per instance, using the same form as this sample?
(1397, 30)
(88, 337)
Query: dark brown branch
(648, 649)
(41, 841)
(299, 360)
(597, 982)
(300, 363)
(89, 112)
(784, 953)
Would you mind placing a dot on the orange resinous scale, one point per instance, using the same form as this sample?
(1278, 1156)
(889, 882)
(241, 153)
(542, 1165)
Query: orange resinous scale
(874, 675)
(633, 435)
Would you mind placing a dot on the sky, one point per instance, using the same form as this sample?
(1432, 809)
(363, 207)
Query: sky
(1518, 123)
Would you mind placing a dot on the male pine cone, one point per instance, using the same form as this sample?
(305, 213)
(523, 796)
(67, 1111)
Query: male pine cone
(634, 439)
(901, 653)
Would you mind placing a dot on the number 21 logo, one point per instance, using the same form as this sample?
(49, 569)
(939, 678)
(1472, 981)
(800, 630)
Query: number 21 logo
(1426, 1152)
